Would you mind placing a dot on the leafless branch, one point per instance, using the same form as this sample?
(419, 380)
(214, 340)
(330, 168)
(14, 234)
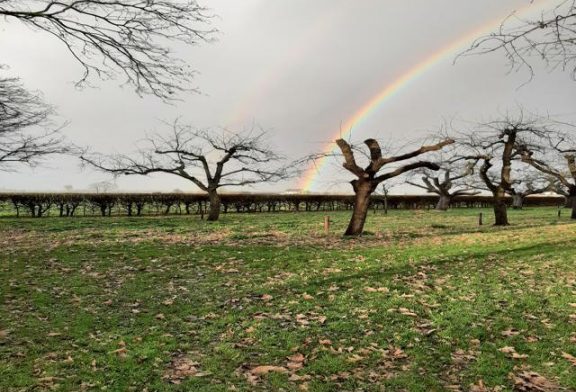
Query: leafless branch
(126, 37)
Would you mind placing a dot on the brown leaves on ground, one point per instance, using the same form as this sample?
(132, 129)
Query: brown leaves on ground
(510, 332)
(404, 312)
(266, 297)
(122, 352)
(265, 369)
(528, 381)
(511, 353)
(294, 363)
(180, 368)
(452, 375)
(569, 357)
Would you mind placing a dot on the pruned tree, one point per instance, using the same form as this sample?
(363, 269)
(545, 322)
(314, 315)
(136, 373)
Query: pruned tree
(550, 36)
(209, 159)
(448, 182)
(558, 160)
(368, 178)
(527, 183)
(126, 37)
(24, 118)
(496, 145)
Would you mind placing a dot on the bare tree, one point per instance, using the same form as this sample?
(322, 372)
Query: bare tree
(208, 159)
(496, 145)
(102, 186)
(22, 111)
(527, 183)
(368, 179)
(385, 191)
(557, 160)
(449, 182)
(550, 37)
(127, 37)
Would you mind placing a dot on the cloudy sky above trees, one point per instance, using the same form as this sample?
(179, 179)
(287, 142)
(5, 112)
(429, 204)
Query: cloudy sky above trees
(298, 69)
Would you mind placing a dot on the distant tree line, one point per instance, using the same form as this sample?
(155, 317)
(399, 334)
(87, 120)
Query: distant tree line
(139, 204)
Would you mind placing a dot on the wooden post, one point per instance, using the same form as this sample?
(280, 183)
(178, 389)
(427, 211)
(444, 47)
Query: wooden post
(559, 211)
(326, 224)
(480, 219)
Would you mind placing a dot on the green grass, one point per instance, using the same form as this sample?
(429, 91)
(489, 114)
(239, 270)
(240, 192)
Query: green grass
(418, 304)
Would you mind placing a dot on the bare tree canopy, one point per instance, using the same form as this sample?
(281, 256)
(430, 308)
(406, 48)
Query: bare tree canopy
(498, 145)
(127, 37)
(556, 158)
(22, 110)
(551, 37)
(449, 182)
(368, 177)
(209, 159)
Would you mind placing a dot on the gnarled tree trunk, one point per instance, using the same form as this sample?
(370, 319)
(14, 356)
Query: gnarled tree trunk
(443, 203)
(214, 199)
(517, 202)
(363, 190)
(500, 209)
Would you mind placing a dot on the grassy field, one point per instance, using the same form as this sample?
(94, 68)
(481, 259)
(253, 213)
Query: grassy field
(426, 301)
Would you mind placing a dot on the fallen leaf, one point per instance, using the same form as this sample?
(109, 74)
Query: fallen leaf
(479, 387)
(266, 297)
(510, 332)
(121, 352)
(298, 357)
(507, 350)
(181, 368)
(407, 312)
(570, 358)
(528, 381)
(265, 369)
(376, 290)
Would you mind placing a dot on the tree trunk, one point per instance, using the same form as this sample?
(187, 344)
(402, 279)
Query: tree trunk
(443, 203)
(517, 202)
(363, 190)
(385, 203)
(500, 210)
(215, 202)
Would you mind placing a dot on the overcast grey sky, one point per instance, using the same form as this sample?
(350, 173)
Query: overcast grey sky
(298, 68)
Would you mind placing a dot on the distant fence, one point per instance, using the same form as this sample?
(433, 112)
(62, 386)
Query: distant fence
(137, 204)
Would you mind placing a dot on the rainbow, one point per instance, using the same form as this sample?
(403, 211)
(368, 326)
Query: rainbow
(391, 90)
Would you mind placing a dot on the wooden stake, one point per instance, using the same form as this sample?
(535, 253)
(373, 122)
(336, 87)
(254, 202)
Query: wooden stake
(326, 224)
(480, 219)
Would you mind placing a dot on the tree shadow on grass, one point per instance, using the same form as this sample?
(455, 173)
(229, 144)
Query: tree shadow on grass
(479, 259)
